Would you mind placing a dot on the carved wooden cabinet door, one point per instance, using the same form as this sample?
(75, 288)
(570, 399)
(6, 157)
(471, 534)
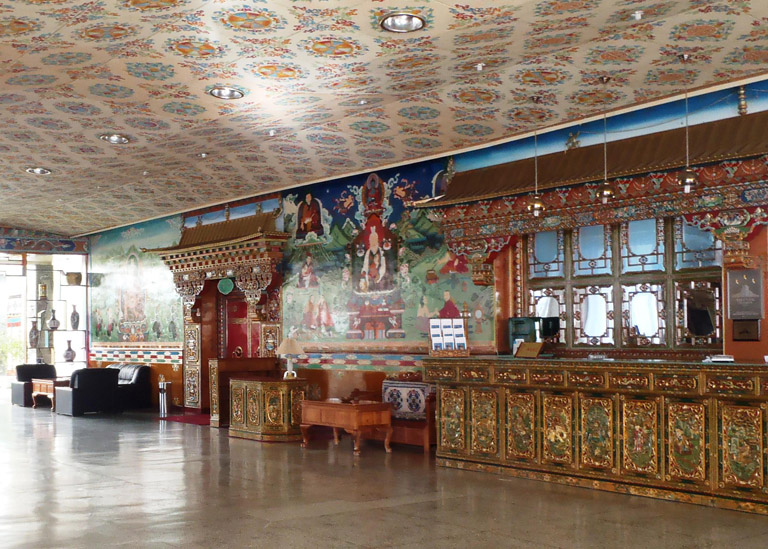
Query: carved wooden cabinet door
(452, 420)
(484, 422)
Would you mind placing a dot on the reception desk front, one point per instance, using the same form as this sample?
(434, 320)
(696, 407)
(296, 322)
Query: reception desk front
(685, 431)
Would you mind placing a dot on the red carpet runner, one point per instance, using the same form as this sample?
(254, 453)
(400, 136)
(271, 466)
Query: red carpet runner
(194, 419)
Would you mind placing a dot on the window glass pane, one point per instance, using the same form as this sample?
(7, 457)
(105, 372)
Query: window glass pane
(549, 303)
(545, 254)
(698, 313)
(642, 246)
(695, 248)
(593, 315)
(592, 250)
(643, 314)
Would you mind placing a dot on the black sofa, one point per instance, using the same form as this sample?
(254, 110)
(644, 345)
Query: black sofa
(90, 390)
(133, 385)
(21, 389)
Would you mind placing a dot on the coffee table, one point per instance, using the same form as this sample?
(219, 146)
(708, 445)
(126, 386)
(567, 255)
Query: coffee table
(46, 387)
(355, 418)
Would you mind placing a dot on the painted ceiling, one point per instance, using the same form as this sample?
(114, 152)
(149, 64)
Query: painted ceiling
(327, 91)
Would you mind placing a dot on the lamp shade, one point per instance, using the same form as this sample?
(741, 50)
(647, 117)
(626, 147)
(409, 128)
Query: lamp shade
(289, 346)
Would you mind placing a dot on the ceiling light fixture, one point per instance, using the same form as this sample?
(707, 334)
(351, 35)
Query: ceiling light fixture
(480, 66)
(362, 102)
(115, 138)
(226, 92)
(402, 22)
(687, 178)
(605, 192)
(38, 171)
(202, 154)
(637, 14)
(536, 205)
(272, 133)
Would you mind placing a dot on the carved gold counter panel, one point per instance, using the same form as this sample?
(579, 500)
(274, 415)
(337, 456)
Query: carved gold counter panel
(691, 432)
(266, 409)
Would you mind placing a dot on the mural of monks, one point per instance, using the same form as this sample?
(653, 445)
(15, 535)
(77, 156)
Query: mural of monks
(307, 277)
(309, 218)
(373, 275)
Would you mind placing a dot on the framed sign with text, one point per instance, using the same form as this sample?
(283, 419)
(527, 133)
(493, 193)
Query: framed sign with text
(745, 294)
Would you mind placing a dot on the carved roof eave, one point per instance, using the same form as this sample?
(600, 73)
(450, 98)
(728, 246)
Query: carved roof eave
(259, 238)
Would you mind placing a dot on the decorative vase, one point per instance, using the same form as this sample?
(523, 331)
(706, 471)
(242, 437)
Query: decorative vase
(74, 318)
(69, 354)
(74, 279)
(34, 335)
(53, 323)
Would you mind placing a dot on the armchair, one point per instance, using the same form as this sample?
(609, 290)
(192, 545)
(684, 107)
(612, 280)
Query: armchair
(90, 390)
(133, 385)
(21, 389)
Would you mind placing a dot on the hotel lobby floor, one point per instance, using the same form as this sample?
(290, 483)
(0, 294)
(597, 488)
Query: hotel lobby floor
(130, 480)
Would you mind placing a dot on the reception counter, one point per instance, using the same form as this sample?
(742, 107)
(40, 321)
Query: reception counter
(693, 432)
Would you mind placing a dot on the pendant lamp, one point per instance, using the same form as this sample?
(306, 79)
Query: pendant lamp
(687, 178)
(536, 205)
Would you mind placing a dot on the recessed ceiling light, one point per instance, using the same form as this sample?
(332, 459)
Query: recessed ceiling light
(115, 138)
(38, 171)
(272, 133)
(202, 154)
(637, 14)
(480, 66)
(362, 102)
(145, 173)
(402, 22)
(226, 92)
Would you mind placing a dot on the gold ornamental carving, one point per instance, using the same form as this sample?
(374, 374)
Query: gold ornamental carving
(192, 343)
(297, 395)
(548, 378)
(273, 406)
(192, 387)
(586, 379)
(253, 279)
(484, 421)
(521, 425)
(213, 380)
(640, 430)
(437, 373)
(253, 405)
(473, 374)
(742, 443)
(188, 285)
(557, 443)
(687, 441)
(237, 398)
(452, 420)
(675, 383)
(730, 384)
(597, 432)
(509, 376)
(630, 381)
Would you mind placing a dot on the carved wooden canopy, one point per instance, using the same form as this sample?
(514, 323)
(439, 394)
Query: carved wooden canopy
(247, 249)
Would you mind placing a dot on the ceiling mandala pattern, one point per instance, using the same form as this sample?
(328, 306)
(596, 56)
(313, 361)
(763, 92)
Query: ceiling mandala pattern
(326, 91)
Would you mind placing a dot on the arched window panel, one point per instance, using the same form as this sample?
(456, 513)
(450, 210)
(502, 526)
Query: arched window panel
(546, 254)
(695, 248)
(642, 246)
(593, 315)
(548, 303)
(698, 313)
(592, 250)
(642, 314)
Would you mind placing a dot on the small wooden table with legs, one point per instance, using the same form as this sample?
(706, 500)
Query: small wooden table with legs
(355, 418)
(46, 387)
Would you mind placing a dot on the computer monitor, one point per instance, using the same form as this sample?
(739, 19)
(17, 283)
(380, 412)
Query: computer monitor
(549, 326)
(522, 328)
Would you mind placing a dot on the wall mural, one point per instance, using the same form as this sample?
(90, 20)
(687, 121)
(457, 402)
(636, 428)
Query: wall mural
(133, 298)
(365, 267)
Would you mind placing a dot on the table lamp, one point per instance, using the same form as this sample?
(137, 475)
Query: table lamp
(289, 348)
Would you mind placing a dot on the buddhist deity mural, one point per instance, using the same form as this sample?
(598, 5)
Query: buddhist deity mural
(364, 265)
(132, 293)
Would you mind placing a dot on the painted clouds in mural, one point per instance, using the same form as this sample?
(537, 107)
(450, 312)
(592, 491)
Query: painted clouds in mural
(374, 269)
(133, 298)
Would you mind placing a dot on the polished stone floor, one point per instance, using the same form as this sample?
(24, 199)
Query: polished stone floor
(130, 480)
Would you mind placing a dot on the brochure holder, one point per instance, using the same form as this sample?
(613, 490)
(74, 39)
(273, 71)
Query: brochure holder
(448, 337)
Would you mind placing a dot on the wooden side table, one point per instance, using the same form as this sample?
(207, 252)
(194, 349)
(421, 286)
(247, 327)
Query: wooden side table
(46, 387)
(355, 418)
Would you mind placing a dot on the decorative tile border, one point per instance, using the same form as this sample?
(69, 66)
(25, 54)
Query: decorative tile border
(157, 356)
(361, 362)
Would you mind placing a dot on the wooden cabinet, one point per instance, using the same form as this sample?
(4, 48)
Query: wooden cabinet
(266, 409)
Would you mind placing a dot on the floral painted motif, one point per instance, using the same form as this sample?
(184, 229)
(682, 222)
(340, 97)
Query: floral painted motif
(614, 55)
(250, 19)
(183, 108)
(485, 421)
(474, 130)
(48, 124)
(596, 97)
(673, 77)
(9, 98)
(150, 71)
(451, 428)
(520, 426)
(111, 91)
(331, 46)
(277, 71)
(324, 19)
(541, 76)
(597, 432)
(419, 113)
(105, 33)
(686, 435)
(195, 47)
(482, 37)
(748, 55)
(369, 126)
(17, 26)
(78, 108)
(422, 143)
(326, 139)
(153, 5)
(529, 115)
(66, 58)
(152, 124)
(552, 41)
(31, 80)
(701, 30)
(475, 96)
(553, 8)
(742, 443)
(558, 428)
(376, 154)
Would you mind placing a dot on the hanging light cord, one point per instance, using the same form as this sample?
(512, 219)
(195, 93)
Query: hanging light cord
(535, 163)
(687, 147)
(605, 148)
